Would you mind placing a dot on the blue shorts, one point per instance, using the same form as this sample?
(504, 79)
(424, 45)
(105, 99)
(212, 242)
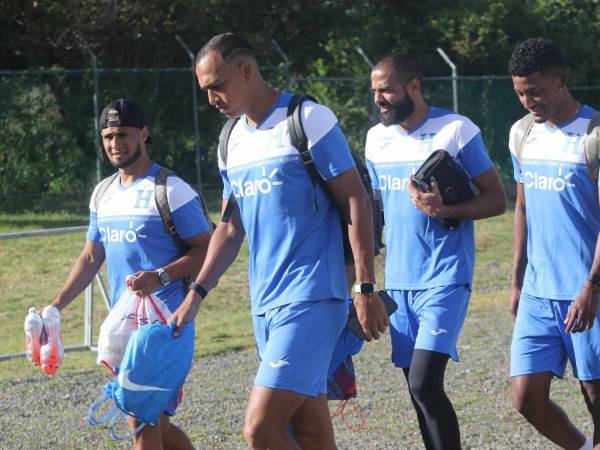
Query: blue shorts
(540, 343)
(428, 319)
(295, 344)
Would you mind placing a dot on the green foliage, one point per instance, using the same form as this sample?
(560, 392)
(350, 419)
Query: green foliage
(47, 138)
(40, 149)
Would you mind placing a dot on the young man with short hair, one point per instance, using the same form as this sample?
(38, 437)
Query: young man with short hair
(556, 271)
(127, 231)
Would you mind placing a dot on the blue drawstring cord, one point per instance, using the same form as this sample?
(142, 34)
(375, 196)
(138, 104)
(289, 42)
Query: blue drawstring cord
(112, 415)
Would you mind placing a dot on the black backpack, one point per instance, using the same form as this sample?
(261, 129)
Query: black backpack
(300, 141)
(162, 203)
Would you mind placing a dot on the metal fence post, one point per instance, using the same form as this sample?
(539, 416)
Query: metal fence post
(286, 64)
(103, 291)
(195, 112)
(88, 328)
(89, 51)
(442, 53)
(372, 105)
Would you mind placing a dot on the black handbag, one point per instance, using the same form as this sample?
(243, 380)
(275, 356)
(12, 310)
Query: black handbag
(453, 183)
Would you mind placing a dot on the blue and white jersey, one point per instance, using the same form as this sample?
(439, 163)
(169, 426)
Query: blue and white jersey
(421, 252)
(128, 225)
(296, 251)
(561, 200)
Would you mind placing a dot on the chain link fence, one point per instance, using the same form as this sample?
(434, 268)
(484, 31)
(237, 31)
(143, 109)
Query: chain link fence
(48, 140)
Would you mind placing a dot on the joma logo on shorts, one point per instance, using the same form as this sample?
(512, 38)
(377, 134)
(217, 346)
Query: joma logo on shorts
(534, 180)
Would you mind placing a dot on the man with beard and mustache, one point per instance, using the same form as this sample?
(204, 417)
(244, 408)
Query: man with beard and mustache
(556, 270)
(128, 232)
(429, 267)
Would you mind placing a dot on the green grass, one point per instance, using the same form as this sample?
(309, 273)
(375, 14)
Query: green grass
(40, 221)
(34, 269)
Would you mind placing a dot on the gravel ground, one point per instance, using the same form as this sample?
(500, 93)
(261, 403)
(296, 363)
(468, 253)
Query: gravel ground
(50, 413)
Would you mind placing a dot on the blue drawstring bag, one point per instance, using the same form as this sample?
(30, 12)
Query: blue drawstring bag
(153, 370)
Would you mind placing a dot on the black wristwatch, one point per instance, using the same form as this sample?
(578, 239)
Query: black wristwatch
(365, 288)
(198, 289)
(595, 279)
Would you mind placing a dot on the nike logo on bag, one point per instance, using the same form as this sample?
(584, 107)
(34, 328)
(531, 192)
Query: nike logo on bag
(278, 363)
(438, 331)
(126, 383)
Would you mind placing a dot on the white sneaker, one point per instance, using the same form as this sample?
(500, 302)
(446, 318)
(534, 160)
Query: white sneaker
(52, 352)
(34, 327)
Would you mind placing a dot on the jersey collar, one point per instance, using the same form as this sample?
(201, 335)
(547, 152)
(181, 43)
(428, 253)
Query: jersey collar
(149, 173)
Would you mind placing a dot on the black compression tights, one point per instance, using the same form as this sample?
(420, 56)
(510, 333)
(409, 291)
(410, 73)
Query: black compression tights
(437, 419)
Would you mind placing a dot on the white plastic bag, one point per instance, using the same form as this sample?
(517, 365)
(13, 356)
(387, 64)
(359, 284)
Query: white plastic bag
(129, 313)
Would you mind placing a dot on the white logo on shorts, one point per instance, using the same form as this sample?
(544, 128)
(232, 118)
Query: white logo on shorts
(278, 363)
(438, 331)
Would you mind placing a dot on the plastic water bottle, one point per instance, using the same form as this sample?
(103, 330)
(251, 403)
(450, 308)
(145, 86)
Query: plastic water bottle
(52, 352)
(34, 327)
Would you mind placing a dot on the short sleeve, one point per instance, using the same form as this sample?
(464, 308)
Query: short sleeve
(373, 175)
(93, 234)
(326, 141)
(474, 157)
(224, 177)
(186, 209)
(226, 184)
(370, 164)
(189, 219)
(515, 161)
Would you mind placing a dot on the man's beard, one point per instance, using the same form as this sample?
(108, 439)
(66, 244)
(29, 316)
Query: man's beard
(399, 112)
(129, 161)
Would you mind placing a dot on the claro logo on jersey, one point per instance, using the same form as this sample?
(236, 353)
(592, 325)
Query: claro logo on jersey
(116, 234)
(535, 180)
(262, 185)
(392, 183)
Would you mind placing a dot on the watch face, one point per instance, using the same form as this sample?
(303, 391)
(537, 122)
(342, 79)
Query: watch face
(164, 276)
(365, 288)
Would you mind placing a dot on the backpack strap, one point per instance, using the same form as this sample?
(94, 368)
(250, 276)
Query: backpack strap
(231, 203)
(299, 140)
(104, 185)
(591, 144)
(162, 204)
(224, 138)
(522, 130)
(223, 152)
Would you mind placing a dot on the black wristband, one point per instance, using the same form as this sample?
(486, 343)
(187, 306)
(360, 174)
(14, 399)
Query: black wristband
(198, 289)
